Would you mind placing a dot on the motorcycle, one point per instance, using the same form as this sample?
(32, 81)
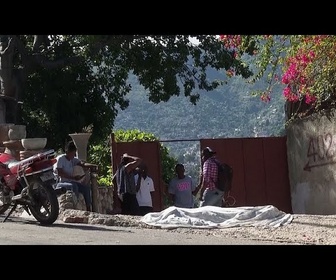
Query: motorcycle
(30, 183)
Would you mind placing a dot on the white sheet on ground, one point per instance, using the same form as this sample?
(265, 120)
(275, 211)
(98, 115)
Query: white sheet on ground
(218, 217)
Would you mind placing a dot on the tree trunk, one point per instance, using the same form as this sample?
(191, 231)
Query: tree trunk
(8, 81)
(13, 79)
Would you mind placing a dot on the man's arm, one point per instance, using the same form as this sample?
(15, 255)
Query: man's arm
(198, 187)
(205, 177)
(171, 192)
(137, 182)
(61, 173)
(202, 187)
(136, 161)
(152, 189)
(85, 164)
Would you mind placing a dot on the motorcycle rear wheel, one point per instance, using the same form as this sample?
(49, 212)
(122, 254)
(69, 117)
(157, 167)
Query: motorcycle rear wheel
(45, 206)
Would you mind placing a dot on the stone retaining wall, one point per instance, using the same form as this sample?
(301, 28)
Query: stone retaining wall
(102, 198)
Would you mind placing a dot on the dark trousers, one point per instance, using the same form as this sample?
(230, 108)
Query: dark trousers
(145, 209)
(129, 205)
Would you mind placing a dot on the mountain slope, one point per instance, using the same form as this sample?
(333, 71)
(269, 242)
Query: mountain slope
(228, 112)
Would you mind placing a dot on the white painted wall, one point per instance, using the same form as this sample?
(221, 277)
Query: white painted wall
(311, 152)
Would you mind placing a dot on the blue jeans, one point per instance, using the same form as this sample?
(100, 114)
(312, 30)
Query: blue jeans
(77, 188)
(212, 197)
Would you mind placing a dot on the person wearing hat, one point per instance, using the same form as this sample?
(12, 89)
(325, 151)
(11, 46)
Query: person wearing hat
(126, 186)
(64, 168)
(210, 195)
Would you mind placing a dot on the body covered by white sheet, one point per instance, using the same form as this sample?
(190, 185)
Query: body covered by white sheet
(218, 217)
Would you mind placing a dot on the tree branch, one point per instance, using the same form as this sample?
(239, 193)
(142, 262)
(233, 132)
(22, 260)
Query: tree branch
(31, 62)
(111, 40)
(40, 40)
(59, 63)
(9, 45)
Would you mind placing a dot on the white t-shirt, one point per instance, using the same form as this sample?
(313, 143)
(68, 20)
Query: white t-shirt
(144, 194)
(66, 165)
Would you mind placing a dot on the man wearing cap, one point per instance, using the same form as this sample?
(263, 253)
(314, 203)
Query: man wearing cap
(64, 168)
(210, 195)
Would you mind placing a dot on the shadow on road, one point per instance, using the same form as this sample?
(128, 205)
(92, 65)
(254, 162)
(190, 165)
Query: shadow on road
(60, 224)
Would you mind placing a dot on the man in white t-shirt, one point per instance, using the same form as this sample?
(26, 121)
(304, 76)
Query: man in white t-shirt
(145, 190)
(64, 168)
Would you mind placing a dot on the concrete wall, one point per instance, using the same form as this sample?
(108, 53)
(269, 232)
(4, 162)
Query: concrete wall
(312, 164)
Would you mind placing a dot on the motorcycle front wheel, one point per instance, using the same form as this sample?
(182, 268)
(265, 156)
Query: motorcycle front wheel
(3, 204)
(44, 203)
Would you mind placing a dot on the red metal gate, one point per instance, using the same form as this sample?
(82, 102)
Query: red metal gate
(260, 169)
(259, 164)
(150, 153)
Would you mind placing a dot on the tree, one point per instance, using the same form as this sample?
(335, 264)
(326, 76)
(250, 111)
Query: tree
(67, 82)
(306, 64)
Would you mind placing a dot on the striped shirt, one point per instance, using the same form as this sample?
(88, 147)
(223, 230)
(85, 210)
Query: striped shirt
(210, 172)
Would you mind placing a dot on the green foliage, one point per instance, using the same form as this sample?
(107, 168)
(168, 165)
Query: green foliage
(167, 161)
(133, 135)
(78, 80)
(101, 155)
(305, 64)
(106, 180)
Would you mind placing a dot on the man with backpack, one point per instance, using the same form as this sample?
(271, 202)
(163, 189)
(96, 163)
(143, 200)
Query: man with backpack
(210, 194)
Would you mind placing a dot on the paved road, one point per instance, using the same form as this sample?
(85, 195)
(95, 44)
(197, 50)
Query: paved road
(27, 231)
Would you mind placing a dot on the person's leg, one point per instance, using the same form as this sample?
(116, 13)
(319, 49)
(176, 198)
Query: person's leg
(125, 205)
(145, 209)
(134, 205)
(69, 186)
(212, 197)
(86, 191)
(142, 210)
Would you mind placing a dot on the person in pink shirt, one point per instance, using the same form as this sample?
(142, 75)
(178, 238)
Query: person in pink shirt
(181, 188)
(210, 195)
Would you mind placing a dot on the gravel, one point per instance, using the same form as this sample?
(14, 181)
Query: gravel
(304, 229)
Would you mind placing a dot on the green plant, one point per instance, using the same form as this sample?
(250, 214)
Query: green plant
(101, 155)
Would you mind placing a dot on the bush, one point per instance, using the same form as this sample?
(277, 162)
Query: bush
(101, 155)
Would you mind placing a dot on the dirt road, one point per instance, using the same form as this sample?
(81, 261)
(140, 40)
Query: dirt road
(128, 230)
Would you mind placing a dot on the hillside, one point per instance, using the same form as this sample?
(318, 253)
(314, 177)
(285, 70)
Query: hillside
(228, 112)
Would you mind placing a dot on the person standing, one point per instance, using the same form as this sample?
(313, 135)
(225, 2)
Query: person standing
(145, 190)
(181, 188)
(64, 168)
(210, 195)
(126, 184)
